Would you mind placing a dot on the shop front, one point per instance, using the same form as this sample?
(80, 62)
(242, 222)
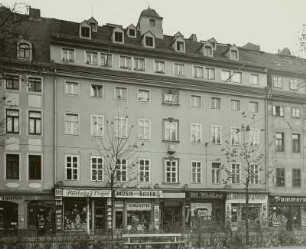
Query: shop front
(137, 210)
(205, 209)
(81, 209)
(287, 211)
(235, 207)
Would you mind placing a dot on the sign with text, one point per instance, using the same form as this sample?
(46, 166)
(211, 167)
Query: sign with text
(204, 195)
(138, 206)
(138, 193)
(288, 199)
(86, 193)
(240, 198)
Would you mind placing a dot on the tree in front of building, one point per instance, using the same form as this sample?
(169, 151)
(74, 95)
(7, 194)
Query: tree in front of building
(245, 162)
(119, 150)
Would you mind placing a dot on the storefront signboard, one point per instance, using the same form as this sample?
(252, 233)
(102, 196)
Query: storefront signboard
(288, 199)
(137, 206)
(240, 198)
(205, 194)
(138, 193)
(86, 193)
(10, 198)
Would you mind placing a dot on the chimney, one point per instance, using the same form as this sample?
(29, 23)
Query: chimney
(34, 14)
(193, 37)
(252, 46)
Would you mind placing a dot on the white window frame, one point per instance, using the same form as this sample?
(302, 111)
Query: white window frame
(196, 133)
(14, 118)
(158, 68)
(170, 97)
(216, 135)
(38, 79)
(215, 173)
(235, 105)
(70, 56)
(75, 126)
(174, 169)
(144, 171)
(138, 64)
(146, 129)
(254, 177)
(121, 127)
(95, 167)
(107, 61)
(72, 88)
(278, 110)
(114, 36)
(72, 168)
(196, 172)
(12, 77)
(295, 112)
(92, 91)
(91, 61)
(120, 95)
(99, 126)
(171, 127)
(198, 72)
(293, 84)
(121, 167)
(235, 136)
(141, 97)
(208, 74)
(252, 77)
(145, 41)
(178, 69)
(235, 174)
(183, 47)
(125, 65)
(254, 137)
(195, 101)
(35, 120)
(215, 103)
(5, 167)
(277, 82)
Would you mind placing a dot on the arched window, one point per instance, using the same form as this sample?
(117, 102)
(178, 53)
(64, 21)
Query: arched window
(24, 51)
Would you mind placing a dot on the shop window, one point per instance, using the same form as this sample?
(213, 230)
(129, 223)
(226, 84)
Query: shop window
(138, 220)
(253, 214)
(40, 215)
(8, 216)
(75, 217)
(119, 219)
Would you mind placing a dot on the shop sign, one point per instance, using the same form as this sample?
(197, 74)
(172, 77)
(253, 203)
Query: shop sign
(58, 192)
(203, 210)
(287, 199)
(253, 198)
(205, 195)
(10, 198)
(136, 206)
(86, 193)
(138, 193)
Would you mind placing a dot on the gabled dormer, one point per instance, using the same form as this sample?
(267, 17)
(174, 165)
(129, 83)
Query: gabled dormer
(149, 20)
(118, 35)
(93, 24)
(232, 53)
(213, 41)
(178, 42)
(131, 31)
(148, 40)
(24, 49)
(207, 49)
(85, 30)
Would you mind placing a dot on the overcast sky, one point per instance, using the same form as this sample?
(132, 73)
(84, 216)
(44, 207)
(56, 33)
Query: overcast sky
(272, 24)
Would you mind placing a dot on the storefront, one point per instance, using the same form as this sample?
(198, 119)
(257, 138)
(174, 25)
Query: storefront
(235, 213)
(81, 209)
(137, 210)
(287, 211)
(205, 209)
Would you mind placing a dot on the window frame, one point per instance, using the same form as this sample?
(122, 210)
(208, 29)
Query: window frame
(68, 59)
(171, 130)
(157, 68)
(193, 132)
(235, 174)
(277, 82)
(6, 167)
(179, 69)
(35, 122)
(142, 172)
(77, 124)
(123, 93)
(278, 111)
(208, 74)
(213, 133)
(295, 112)
(12, 123)
(92, 91)
(97, 169)
(121, 169)
(122, 131)
(251, 77)
(235, 103)
(196, 172)
(35, 90)
(138, 64)
(25, 48)
(195, 72)
(12, 77)
(253, 104)
(180, 46)
(143, 128)
(140, 98)
(107, 60)
(75, 85)
(295, 178)
(175, 97)
(280, 142)
(280, 177)
(126, 65)
(175, 179)
(121, 40)
(72, 168)
(215, 103)
(296, 143)
(41, 167)
(216, 173)
(97, 125)
(93, 61)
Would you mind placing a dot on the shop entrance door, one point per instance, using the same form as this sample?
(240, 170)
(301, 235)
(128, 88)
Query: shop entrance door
(8, 216)
(172, 218)
(100, 221)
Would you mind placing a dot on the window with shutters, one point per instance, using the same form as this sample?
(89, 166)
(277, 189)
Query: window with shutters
(278, 111)
(96, 91)
(72, 124)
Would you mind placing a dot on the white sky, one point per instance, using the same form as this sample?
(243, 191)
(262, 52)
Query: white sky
(272, 24)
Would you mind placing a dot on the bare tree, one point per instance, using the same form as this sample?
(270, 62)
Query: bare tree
(245, 150)
(120, 152)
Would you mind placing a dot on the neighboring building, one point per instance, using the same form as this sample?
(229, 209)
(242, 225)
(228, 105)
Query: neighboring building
(184, 98)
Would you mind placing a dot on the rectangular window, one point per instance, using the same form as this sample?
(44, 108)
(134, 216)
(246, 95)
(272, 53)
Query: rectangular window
(254, 79)
(12, 121)
(196, 133)
(295, 112)
(279, 141)
(235, 136)
(91, 58)
(215, 172)
(293, 85)
(139, 64)
(12, 166)
(149, 41)
(85, 32)
(121, 93)
(171, 170)
(171, 130)
(96, 91)
(72, 88)
(215, 103)
(144, 128)
(226, 75)
(180, 46)
(210, 73)
(253, 106)
(35, 123)
(280, 177)
(234, 54)
(34, 84)
(235, 173)
(171, 97)
(120, 126)
(215, 131)
(12, 82)
(235, 105)
(126, 62)
(296, 178)
(278, 111)
(254, 174)
(143, 95)
(68, 54)
(195, 101)
(179, 69)
(118, 37)
(72, 124)
(106, 60)
(96, 168)
(72, 168)
(35, 167)
(121, 170)
(159, 67)
(152, 22)
(196, 172)
(296, 143)
(144, 170)
(208, 50)
(198, 72)
(277, 82)
(254, 137)
(97, 125)
(237, 77)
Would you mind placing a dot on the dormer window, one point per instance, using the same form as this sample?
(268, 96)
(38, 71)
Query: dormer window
(152, 22)
(24, 51)
(85, 32)
(180, 46)
(93, 24)
(149, 42)
(132, 32)
(234, 54)
(118, 35)
(208, 50)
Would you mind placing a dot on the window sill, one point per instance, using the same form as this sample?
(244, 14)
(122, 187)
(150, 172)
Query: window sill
(160, 72)
(171, 141)
(170, 104)
(171, 183)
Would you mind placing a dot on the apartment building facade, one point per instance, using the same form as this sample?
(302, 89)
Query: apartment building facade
(183, 98)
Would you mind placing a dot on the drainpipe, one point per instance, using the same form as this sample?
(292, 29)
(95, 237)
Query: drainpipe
(55, 128)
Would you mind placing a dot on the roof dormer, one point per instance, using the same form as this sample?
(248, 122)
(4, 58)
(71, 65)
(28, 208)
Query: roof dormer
(213, 42)
(232, 53)
(179, 43)
(131, 31)
(93, 24)
(85, 30)
(149, 20)
(118, 35)
(148, 40)
(207, 49)
(24, 49)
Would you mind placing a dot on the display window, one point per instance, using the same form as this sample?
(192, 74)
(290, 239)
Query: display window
(75, 215)
(138, 220)
(283, 214)
(8, 216)
(40, 215)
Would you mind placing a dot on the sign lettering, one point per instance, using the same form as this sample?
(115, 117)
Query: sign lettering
(86, 193)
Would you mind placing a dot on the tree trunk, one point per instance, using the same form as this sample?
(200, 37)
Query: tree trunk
(247, 216)
(112, 208)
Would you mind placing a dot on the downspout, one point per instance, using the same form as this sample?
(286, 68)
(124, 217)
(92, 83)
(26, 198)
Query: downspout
(55, 128)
